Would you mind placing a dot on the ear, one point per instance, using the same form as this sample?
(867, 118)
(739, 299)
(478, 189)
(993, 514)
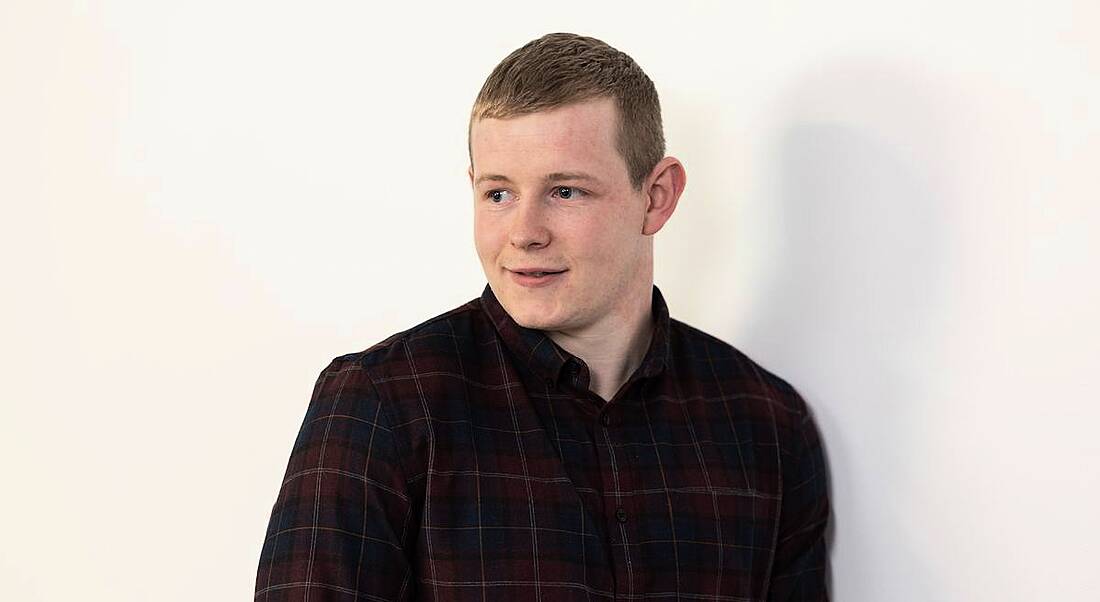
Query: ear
(663, 188)
(470, 172)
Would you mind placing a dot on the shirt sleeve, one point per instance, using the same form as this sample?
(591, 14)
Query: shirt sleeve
(342, 522)
(800, 559)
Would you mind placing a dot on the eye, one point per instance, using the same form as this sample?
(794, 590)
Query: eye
(566, 192)
(497, 196)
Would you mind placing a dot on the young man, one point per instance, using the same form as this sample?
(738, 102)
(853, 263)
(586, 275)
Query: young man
(560, 437)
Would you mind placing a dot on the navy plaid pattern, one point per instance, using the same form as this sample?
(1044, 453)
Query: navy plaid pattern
(466, 459)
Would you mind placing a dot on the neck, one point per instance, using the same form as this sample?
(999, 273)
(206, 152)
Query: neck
(614, 348)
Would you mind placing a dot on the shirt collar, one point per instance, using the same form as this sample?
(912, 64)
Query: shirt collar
(540, 354)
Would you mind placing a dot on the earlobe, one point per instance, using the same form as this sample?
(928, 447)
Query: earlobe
(667, 181)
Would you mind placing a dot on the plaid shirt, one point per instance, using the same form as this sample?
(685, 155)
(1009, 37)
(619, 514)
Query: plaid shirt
(466, 459)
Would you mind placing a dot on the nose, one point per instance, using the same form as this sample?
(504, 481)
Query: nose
(529, 227)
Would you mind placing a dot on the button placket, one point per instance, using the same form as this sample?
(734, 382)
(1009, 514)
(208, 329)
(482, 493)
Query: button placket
(617, 482)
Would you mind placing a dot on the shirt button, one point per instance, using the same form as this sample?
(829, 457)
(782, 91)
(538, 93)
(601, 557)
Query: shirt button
(620, 514)
(606, 419)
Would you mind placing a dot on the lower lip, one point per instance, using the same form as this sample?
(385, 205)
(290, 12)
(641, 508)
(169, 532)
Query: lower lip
(536, 281)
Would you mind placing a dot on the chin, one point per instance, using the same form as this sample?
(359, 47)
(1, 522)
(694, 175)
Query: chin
(531, 315)
(534, 319)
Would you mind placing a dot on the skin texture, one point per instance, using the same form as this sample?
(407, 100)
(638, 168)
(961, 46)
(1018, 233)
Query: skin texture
(597, 228)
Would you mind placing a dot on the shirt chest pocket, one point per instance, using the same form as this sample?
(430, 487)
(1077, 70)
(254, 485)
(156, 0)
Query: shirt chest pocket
(705, 524)
(499, 507)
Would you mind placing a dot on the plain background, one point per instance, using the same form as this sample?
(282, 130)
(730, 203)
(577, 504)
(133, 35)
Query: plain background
(892, 205)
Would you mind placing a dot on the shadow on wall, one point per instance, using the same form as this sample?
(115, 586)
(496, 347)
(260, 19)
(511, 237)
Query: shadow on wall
(849, 305)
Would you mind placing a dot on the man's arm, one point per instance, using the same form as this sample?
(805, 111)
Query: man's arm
(800, 557)
(342, 522)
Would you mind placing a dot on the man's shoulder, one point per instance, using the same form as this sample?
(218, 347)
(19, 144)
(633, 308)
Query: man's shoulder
(441, 339)
(708, 356)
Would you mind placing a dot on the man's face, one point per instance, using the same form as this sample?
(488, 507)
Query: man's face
(552, 194)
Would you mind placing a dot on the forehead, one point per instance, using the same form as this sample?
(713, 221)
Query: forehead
(577, 136)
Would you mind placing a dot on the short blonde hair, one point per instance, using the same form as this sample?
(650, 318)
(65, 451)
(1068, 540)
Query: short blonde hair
(562, 68)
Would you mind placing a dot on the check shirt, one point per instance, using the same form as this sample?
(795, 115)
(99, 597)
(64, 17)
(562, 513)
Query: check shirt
(466, 459)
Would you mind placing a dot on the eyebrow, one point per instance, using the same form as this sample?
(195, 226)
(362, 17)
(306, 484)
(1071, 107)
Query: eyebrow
(557, 176)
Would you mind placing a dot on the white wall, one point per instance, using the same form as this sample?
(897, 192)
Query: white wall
(893, 207)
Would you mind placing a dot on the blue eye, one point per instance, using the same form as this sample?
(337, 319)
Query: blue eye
(565, 192)
(496, 196)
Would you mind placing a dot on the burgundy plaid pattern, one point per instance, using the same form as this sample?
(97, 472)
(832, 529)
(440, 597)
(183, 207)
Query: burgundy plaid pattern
(465, 459)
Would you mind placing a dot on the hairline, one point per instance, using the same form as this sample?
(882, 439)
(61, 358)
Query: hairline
(478, 113)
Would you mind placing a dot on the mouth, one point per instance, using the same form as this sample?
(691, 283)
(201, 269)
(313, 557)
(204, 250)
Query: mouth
(535, 277)
(539, 274)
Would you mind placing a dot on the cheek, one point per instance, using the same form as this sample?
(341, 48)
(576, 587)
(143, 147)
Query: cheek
(485, 237)
(610, 240)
